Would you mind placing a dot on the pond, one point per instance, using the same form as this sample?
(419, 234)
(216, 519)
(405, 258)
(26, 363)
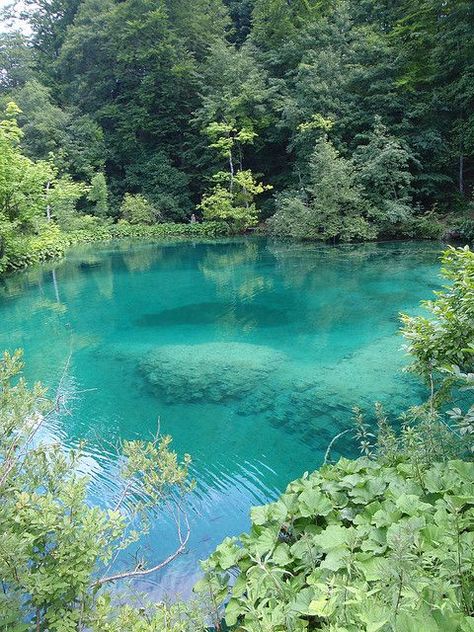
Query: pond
(250, 353)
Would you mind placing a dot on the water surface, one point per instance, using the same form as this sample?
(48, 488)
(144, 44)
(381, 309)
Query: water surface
(251, 354)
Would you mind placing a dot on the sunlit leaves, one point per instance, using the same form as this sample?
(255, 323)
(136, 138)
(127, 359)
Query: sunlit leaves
(56, 546)
(390, 558)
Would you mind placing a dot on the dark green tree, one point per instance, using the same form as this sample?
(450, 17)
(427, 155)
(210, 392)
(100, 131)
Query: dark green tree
(383, 166)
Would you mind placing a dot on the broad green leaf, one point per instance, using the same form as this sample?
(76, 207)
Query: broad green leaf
(314, 503)
(333, 537)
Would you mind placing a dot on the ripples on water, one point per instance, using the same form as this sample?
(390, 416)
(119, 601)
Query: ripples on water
(251, 354)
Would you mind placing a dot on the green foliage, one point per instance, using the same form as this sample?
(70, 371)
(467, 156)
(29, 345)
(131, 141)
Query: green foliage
(357, 546)
(51, 241)
(232, 197)
(165, 186)
(99, 195)
(136, 209)
(234, 206)
(151, 617)
(383, 171)
(443, 340)
(425, 226)
(16, 60)
(56, 548)
(22, 181)
(132, 98)
(331, 206)
(22, 250)
(206, 229)
(466, 229)
(62, 199)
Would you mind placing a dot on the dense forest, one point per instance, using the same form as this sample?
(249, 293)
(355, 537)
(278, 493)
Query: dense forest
(328, 120)
(339, 120)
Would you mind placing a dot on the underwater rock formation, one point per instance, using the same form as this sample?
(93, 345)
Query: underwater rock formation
(209, 372)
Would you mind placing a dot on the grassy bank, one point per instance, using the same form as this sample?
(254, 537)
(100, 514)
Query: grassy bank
(50, 241)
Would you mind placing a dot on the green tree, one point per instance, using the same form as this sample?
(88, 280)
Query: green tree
(43, 123)
(63, 195)
(16, 61)
(435, 65)
(330, 206)
(22, 182)
(383, 171)
(146, 115)
(232, 197)
(166, 186)
(49, 21)
(99, 195)
(136, 209)
(276, 21)
(75, 139)
(56, 548)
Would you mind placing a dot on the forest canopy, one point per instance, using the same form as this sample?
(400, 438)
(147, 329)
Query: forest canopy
(231, 108)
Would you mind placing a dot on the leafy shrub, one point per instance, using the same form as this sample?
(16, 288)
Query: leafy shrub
(57, 548)
(466, 229)
(353, 547)
(330, 207)
(427, 226)
(136, 209)
(220, 205)
(99, 195)
(24, 250)
(442, 341)
(158, 231)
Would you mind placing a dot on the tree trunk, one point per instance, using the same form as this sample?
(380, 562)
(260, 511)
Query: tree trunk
(461, 174)
(48, 207)
(231, 168)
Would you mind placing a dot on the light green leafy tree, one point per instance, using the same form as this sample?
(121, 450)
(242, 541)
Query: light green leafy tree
(99, 195)
(57, 550)
(22, 181)
(63, 194)
(137, 209)
(232, 197)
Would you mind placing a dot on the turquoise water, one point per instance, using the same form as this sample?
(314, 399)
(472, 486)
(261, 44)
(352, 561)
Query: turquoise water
(250, 354)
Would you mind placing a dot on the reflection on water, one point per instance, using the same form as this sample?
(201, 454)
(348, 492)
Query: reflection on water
(251, 354)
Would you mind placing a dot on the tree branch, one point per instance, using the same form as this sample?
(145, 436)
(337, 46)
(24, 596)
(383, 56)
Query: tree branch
(141, 572)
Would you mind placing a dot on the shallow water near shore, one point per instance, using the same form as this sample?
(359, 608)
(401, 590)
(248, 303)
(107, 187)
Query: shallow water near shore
(250, 353)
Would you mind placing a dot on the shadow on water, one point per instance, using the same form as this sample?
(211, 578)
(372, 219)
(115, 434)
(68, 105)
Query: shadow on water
(196, 314)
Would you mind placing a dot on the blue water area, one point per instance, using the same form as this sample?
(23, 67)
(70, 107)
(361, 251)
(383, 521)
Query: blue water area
(250, 353)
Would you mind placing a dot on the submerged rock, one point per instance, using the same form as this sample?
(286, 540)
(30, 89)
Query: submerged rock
(210, 372)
